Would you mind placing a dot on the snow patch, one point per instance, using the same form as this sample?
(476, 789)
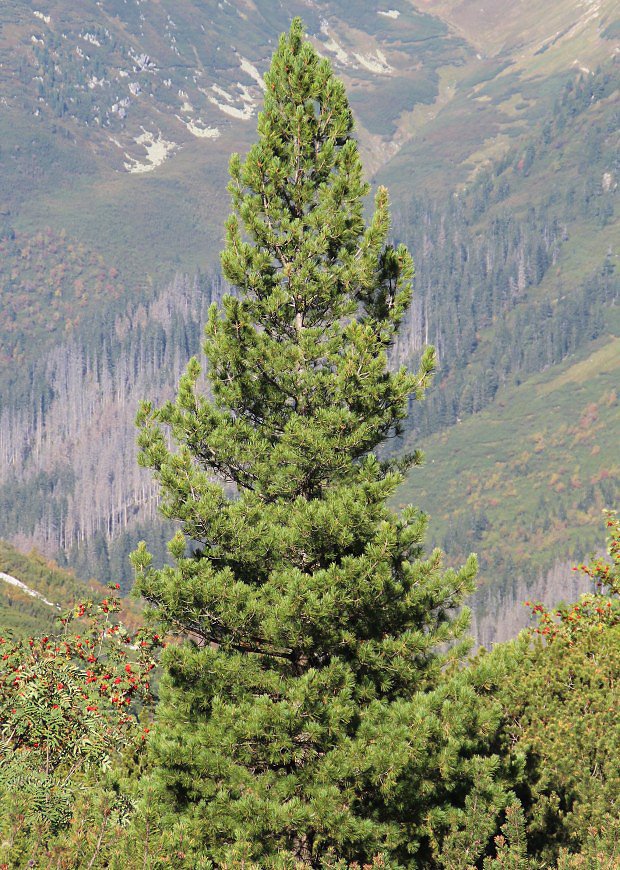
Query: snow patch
(244, 113)
(331, 45)
(607, 181)
(202, 132)
(143, 62)
(120, 107)
(391, 13)
(157, 152)
(251, 70)
(12, 581)
(376, 63)
(581, 67)
(246, 96)
(41, 16)
(90, 37)
(222, 93)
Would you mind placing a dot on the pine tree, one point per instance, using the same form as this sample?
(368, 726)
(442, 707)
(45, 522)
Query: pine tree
(309, 615)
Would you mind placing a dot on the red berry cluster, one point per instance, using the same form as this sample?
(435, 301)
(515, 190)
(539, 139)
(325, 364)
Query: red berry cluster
(79, 692)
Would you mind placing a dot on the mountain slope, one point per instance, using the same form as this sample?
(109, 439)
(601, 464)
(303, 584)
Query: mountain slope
(525, 481)
(117, 119)
(144, 103)
(521, 58)
(33, 592)
(524, 305)
(133, 108)
(116, 122)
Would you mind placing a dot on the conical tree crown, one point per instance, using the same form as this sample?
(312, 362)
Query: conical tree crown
(321, 294)
(306, 608)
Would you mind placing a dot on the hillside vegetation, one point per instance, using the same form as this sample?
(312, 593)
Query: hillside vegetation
(497, 132)
(50, 591)
(523, 275)
(524, 483)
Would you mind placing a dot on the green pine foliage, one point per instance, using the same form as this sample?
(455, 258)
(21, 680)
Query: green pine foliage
(298, 724)
(511, 844)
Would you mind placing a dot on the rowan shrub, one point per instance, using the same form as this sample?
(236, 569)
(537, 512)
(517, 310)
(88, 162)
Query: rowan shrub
(72, 704)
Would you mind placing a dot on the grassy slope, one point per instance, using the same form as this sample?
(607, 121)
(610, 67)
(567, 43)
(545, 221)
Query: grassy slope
(512, 479)
(506, 88)
(21, 614)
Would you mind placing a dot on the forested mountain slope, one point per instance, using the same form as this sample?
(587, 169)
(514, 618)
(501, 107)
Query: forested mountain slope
(522, 54)
(497, 132)
(519, 270)
(69, 478)
(522, 298)
(524, 483)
